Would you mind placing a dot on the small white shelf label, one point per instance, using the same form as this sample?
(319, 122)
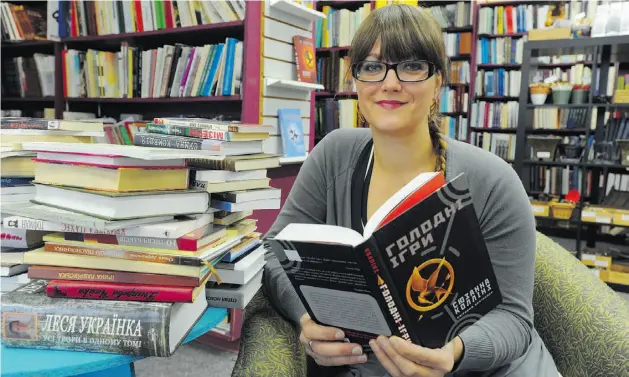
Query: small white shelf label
(543, 154)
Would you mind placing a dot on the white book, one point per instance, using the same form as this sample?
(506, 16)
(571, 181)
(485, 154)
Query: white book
(119, 206)
(217, 176)
(248, 195)
(243, 270)
(246, 206)
(108, 161)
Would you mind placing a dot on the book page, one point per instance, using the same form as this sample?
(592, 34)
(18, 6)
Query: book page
(344, 309)
(320, 233)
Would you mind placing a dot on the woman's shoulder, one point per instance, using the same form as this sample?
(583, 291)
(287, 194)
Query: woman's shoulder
(342, 146)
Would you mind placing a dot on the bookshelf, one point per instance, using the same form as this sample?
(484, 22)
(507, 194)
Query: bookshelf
(337, 98)
(268, 83)
(593, 172)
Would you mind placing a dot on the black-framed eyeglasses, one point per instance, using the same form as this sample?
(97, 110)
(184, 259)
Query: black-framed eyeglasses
(406, 71)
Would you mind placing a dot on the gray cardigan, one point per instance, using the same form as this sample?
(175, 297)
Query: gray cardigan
(502, 343)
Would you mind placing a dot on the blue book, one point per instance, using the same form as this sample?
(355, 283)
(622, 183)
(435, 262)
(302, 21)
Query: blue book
(292, 133)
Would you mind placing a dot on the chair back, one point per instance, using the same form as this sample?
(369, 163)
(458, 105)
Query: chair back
(583, 322)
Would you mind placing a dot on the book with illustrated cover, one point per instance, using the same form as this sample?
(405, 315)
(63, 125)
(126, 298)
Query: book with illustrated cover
(305, 59)
(31, 319)
(420, 271)
(291, 132)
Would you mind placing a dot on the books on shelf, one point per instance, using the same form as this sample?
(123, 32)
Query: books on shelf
(169, 71)
(453, 100)
(459, 72)
(500, 50)
(331, 114)
(495, 114)
(90, 18)
(22, 22)
(457, 43)
(456, 15)
(28, 76)
(338, 27)
(406, 275)
(333, 72)
(502, 145)
(133, 238)
(455, 127)
(497, 82)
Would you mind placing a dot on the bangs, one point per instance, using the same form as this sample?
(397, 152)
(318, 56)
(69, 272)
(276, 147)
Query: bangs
(405, 33)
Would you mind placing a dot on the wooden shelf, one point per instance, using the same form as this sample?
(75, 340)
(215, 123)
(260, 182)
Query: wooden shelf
(329, 49)
(566, 106)
(496, 66)
(225, 26)
(291, 84)
(296, 10)
(454, 114)
(561, 131)
(460, 57)
(28, 99)
(514, 35)
(496, 98)
(494, 130)
(558, 65)
(156, 100)
(463, 29)
(28, 43)
(551, 163)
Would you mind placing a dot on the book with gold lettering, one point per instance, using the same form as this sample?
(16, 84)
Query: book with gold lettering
(420, 270)
(31, 319)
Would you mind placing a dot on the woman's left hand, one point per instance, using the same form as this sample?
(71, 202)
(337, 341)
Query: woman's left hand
(402, 358)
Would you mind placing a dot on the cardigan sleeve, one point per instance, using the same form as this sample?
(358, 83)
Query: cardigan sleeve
(508, 227)
(306, 203)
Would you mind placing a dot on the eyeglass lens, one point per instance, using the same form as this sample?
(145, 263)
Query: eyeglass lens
(406, 71)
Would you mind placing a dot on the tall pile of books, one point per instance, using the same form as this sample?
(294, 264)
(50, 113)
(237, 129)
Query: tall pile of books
(236, 179)
(130, 246)
(18, 171)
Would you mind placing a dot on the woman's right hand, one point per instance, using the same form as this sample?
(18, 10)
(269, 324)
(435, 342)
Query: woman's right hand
(326, 346)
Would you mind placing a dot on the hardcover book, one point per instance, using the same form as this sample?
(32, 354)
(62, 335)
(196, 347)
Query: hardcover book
(30, 319)
(420, 271)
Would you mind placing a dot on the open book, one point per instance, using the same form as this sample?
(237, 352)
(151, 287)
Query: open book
(420, 271)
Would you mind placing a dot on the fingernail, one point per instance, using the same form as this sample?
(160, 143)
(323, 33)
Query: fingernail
(357, 350)
(339, 335)
(362, 359)
(382, 341)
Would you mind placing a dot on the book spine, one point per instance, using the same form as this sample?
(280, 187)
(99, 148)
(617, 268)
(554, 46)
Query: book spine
(178, 130)
(381, 284)
(32, 320)
(84, 274)
(224, 298)
(199, 163)
(124, 240)
(166, 141)
(117, 291)
(190, 123)
(6, 181)
(122, 254)
(29, 124)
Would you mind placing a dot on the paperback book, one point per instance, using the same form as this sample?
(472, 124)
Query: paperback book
(420, 270)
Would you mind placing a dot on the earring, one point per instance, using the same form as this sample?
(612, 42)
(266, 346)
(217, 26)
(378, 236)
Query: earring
(361, 119)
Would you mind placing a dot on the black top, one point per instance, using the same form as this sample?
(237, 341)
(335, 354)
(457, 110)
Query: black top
(360, 188)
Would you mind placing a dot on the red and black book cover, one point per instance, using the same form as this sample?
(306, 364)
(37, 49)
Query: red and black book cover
(425, 276)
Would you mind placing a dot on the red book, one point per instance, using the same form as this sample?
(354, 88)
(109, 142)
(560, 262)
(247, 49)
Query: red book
(168, 14)
(121, 291)
(139, 25)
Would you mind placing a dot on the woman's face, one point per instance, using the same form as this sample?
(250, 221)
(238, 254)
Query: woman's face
(393, 106)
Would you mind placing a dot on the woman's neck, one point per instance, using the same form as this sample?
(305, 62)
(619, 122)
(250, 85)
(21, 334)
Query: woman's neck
(404, 154)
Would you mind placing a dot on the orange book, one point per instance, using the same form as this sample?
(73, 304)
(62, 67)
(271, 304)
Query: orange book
(305, 58)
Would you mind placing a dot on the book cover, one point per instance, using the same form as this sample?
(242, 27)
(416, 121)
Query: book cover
(305, 58)
(292, 133)
(416, 277)
(30, 319)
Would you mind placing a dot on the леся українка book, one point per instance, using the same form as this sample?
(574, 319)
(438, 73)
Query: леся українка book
(420, 271)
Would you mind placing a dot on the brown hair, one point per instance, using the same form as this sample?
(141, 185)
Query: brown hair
(405, 32)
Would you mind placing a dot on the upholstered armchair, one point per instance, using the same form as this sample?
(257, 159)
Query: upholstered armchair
(584, 324)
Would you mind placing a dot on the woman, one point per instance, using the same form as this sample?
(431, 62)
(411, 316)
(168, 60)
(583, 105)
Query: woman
(399, 64)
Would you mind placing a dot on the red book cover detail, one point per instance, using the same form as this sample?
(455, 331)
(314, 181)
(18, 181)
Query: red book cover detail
(118, 291)
(305, 58)
(138, 15)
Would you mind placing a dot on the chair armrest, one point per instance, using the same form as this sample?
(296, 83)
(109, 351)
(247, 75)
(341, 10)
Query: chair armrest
(583, 322)
(269, 345)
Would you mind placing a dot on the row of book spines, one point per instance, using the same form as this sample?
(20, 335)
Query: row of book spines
(20, 23)
(500, 50)
(78, 18)
(169, 71)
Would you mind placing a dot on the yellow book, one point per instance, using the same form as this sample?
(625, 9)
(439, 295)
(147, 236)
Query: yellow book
(22, 166)
(325, 37)
(44, 258)
(381, 3)
(111, 179)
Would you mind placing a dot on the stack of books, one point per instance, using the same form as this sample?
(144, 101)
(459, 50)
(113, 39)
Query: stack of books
(129, 245)
(238, 184)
